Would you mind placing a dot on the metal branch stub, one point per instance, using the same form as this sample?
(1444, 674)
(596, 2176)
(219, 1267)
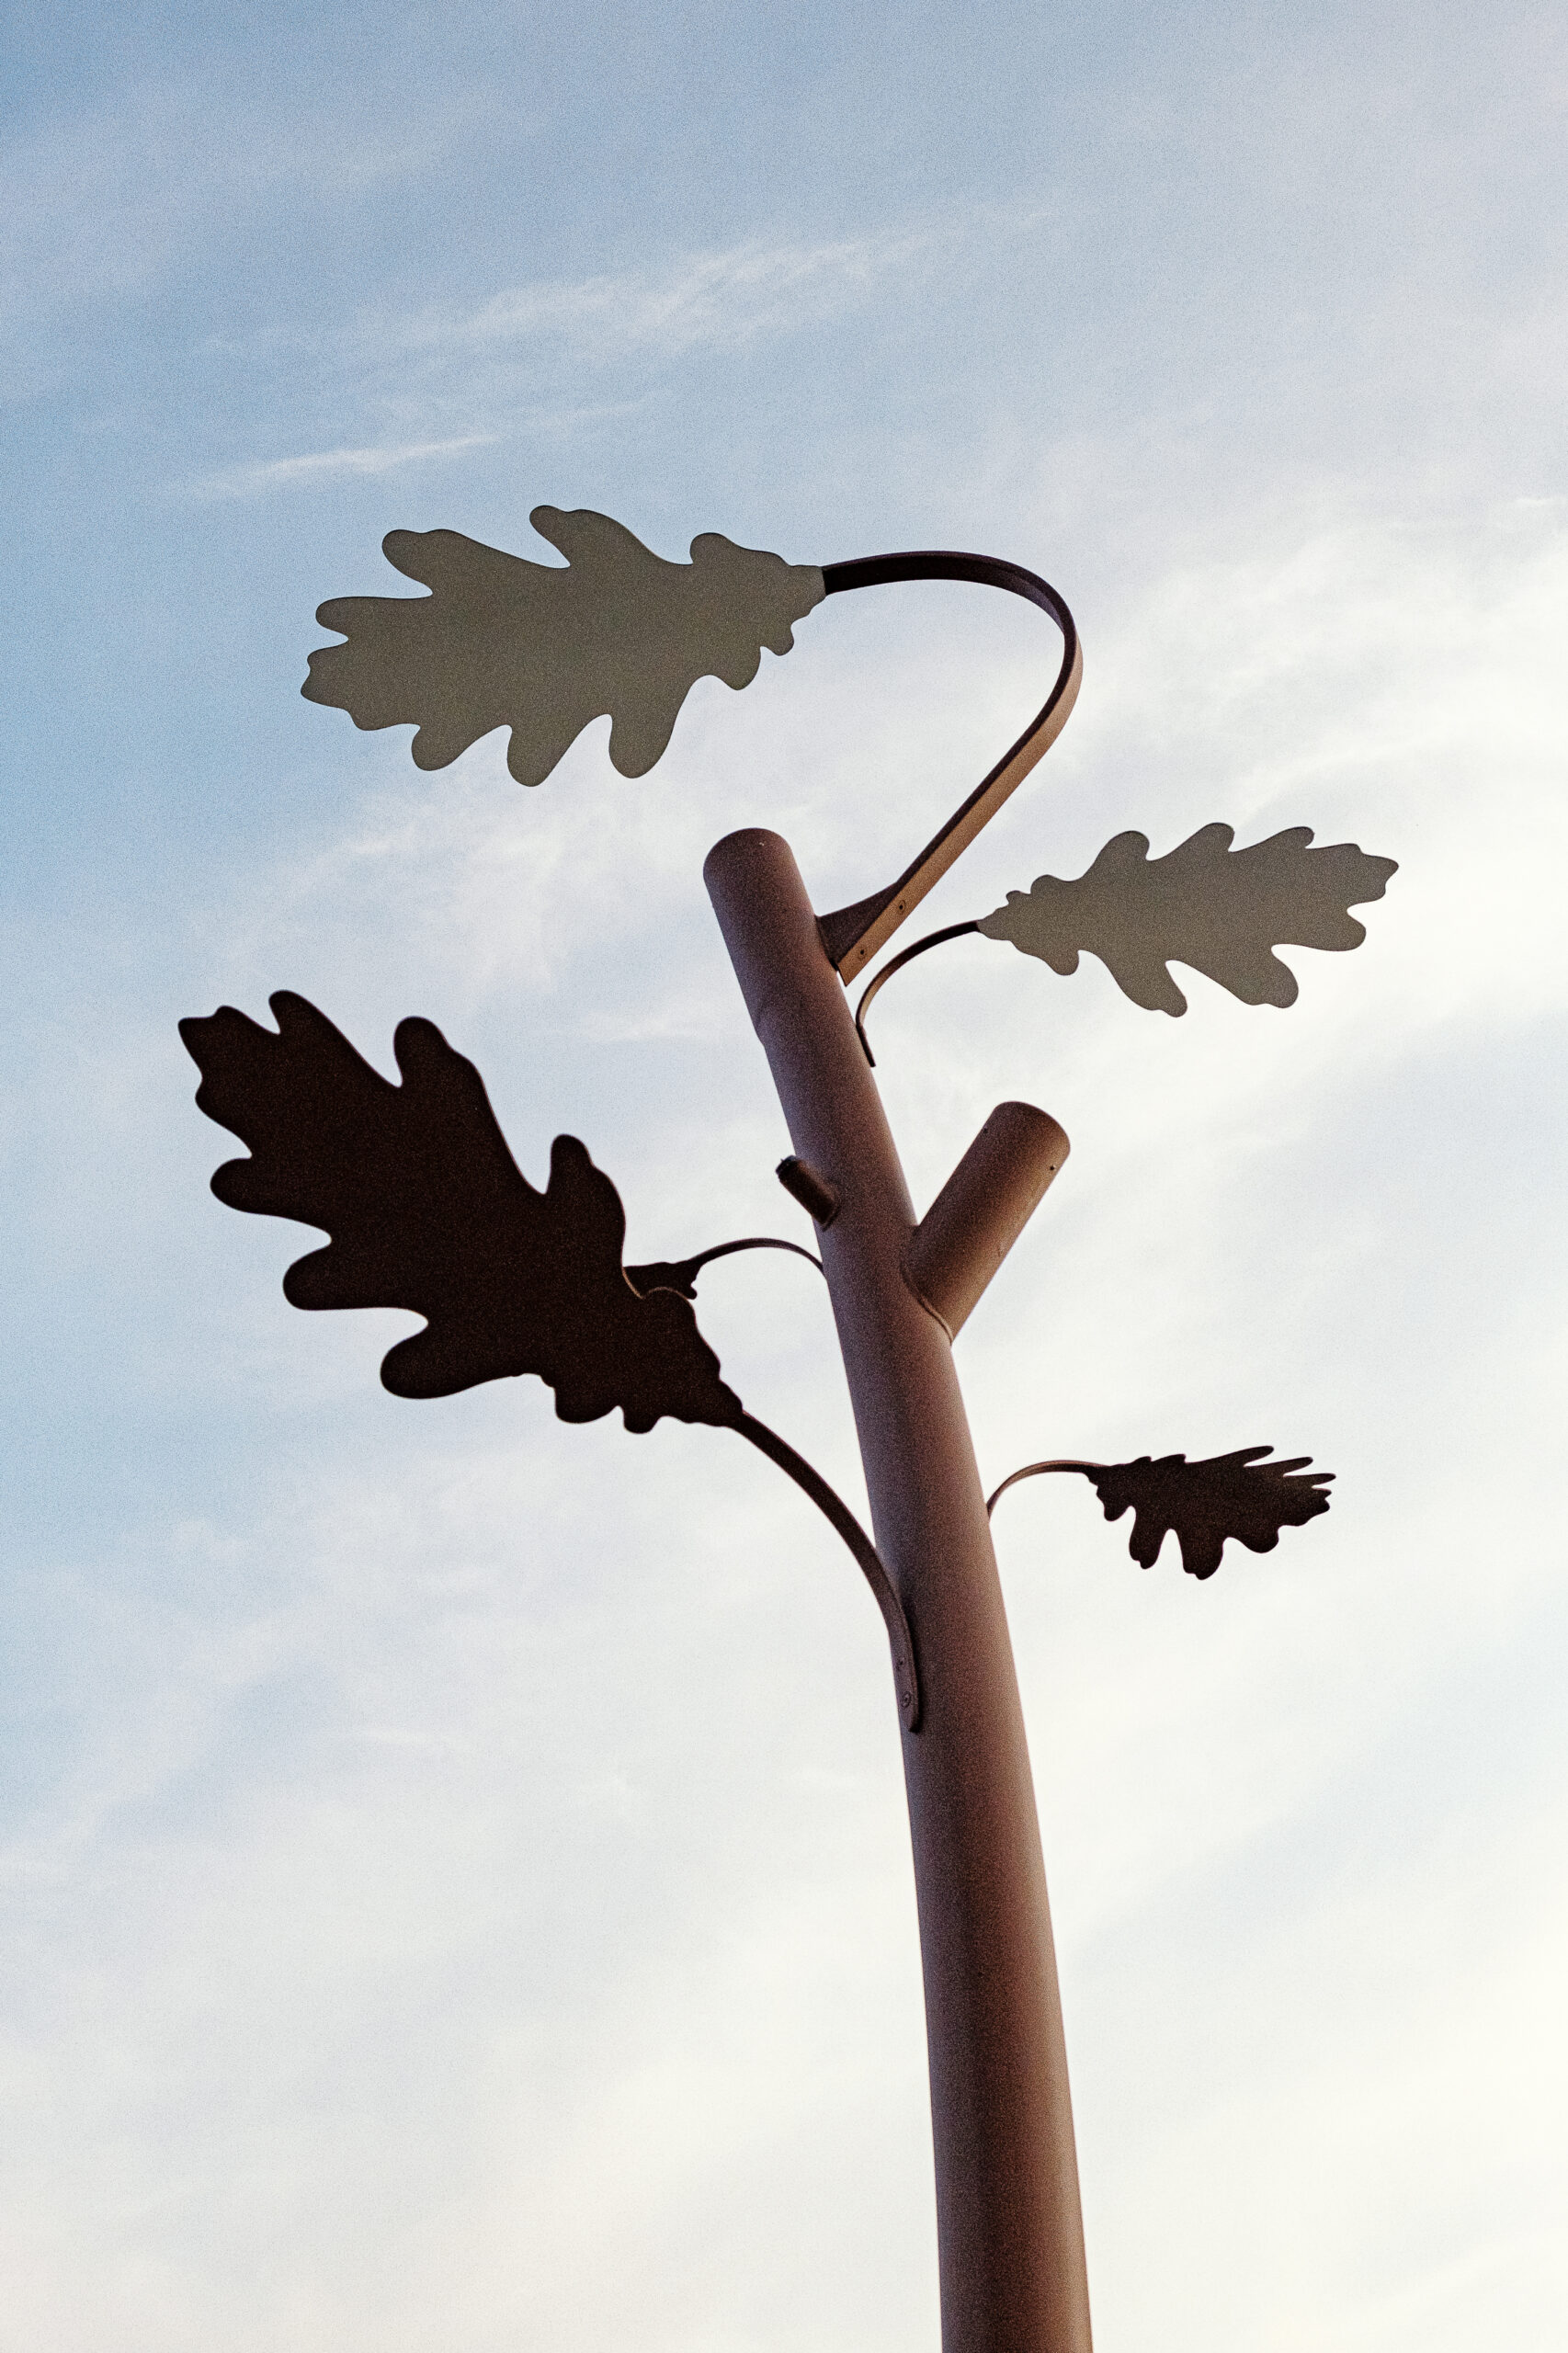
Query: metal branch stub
(981, 1211)
(803, 1183)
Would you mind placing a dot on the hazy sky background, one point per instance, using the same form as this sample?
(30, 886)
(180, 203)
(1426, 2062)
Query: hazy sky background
(456, 1887)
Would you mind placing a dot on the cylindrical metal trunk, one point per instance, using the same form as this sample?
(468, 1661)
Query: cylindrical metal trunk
(1009, 2230)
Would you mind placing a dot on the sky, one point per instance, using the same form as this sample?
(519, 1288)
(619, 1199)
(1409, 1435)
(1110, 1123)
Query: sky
(454, 1881)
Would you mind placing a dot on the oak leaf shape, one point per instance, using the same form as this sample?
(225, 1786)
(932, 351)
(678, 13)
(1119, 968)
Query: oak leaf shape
(426, 1210)
(545, 650)
(1221, 910)
(1231, 1497)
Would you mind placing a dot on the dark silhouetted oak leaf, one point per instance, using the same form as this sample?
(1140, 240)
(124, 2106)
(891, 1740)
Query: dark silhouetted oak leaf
(427, 1211)
(1236, 1496)
(545, 649)
(1221, 911)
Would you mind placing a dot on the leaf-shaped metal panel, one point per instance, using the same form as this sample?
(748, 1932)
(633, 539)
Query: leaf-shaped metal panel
(1229, 1496)
(428, 1210)
(1221, 911)
(545, 649)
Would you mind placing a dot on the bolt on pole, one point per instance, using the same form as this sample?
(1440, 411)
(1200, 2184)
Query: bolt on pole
(1010, 2237)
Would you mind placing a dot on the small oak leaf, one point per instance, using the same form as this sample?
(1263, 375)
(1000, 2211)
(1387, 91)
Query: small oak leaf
(545, 649)
(426, 1210)
(1221, 910)
(1230, 1496)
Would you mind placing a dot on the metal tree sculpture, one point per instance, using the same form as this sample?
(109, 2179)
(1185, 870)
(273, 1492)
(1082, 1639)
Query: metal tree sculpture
(425, 1209)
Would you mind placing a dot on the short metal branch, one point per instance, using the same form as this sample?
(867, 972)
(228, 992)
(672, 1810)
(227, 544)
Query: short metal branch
(961, 1242)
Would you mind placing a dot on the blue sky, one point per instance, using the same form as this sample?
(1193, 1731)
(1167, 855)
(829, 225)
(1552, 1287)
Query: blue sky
(455, 1888)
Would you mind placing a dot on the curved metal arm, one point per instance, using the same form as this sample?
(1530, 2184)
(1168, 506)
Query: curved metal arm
(895, 965)
(852, 935)
(906, 1678)
(1032, 1471)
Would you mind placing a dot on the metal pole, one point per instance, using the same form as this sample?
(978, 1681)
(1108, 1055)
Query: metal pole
(1009, 2230)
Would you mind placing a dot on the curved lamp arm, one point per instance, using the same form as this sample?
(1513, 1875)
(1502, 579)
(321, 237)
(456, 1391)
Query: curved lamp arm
(852, 935)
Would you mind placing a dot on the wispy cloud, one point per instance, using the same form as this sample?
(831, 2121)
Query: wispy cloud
(276, 473)
(750, 290)
(712, 299)
(517, 362)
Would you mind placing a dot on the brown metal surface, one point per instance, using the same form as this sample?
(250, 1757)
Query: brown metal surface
(1009, 2231)
(982, 1210)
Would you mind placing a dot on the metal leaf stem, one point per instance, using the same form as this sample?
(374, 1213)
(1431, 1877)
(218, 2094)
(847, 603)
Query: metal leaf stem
(680, 1274)
(895, 964)
(906, 1677)
(1030, 1471)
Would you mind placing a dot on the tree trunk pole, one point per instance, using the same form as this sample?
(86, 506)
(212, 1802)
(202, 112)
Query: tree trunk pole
(1009, 2230)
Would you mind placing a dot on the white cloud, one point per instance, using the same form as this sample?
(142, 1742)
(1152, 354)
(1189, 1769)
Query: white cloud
(280, 474)
(720, 299)
(715, 299)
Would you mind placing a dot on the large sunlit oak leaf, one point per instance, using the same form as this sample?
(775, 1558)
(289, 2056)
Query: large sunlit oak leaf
(1223, 912)
(426, 1210)
(545, 649)
(1230, 1496)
